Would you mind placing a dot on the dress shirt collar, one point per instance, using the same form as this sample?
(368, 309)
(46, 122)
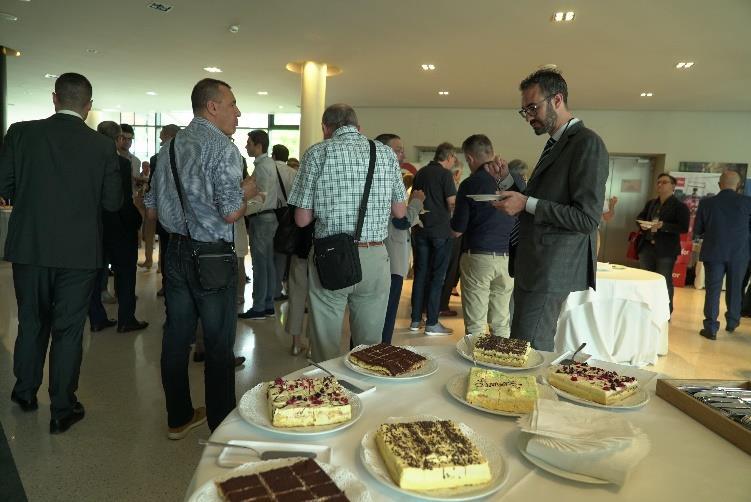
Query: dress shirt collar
(70, 112)
(260, 158)
(557, 135)
(345, 130)
(206, 123)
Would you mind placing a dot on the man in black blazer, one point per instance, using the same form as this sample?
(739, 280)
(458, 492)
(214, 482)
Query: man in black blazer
(60, 175)
(559, 211)
(724, 222)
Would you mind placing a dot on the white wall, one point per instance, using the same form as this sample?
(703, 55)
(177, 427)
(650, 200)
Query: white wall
(680, 136)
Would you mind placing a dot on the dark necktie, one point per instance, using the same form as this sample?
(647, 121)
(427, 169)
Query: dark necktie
(513, 238)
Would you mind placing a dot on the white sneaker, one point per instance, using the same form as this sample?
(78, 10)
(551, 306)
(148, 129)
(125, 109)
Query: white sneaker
(438, 329)
(415, 326)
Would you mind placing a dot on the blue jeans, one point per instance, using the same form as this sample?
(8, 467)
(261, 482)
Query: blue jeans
(261, 232)
(431, 261)
(186, 302)
(663, 265)
(394, 295)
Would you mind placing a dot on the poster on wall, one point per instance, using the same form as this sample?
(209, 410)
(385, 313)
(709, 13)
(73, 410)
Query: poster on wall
(711, 172)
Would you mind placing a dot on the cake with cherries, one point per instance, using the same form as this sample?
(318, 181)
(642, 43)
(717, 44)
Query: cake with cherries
(428, 455)
(387, 359)
(307, 402)
(502, 351)
(593, 383)
(304, 480)
(500, 392)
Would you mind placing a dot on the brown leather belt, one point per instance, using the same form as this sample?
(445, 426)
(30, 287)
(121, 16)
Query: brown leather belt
(369, 244)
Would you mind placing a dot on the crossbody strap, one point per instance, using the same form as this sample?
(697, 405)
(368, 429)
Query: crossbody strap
(366, 194)
(281, 184)
(179, 186)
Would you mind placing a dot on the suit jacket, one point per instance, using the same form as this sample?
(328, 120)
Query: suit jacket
(121, 226)
(60, 174)
(556, 249)
(675, 217)
(724, 221)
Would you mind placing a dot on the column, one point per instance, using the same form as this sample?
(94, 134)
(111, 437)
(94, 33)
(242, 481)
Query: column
(312, 98)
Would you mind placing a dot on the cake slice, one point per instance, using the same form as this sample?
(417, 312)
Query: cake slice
(502, 351)
(387, 359)
(497, 391)
(428, 455)
(307, 402)
(593, 383)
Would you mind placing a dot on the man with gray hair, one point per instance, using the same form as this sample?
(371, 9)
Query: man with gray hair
(59, 175)
(329, 188)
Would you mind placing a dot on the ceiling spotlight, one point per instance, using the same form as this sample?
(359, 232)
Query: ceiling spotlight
(560, 17)
(646, 94)
(151, 93)
(684, 65)
(263, 93)
(443, 93)
(233, 29)
(428, 67)
(213, 69)
(92, 51)
(8, 17)
(50, 75)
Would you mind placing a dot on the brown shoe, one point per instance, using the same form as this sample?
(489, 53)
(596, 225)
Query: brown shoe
(199, 417)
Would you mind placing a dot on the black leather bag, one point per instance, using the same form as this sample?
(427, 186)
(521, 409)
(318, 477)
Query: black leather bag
(336, 257)
(287, 232)
(216, 262)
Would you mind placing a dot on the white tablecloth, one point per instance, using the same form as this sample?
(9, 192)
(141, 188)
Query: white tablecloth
(687, 461)
(4, 219)
(624, 321)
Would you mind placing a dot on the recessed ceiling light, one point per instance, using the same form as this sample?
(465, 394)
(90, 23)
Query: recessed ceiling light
(428, 67)
(560, 17)
(92, 51)
(684, 65)
(160, 7)
(213, 69)
(50, 75)
(8, 17)
(151, 93)
(263, 93)
(281, 107)
(646, 94)
(443, 93)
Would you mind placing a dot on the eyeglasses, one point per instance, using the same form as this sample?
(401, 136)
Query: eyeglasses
(531, 109)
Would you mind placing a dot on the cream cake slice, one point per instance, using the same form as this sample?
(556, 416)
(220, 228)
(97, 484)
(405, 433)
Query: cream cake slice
(307, 402)
(428, 455)
(497, 391)
(593, 383)
(504, 351)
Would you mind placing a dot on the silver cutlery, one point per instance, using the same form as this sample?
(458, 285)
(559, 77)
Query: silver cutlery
(570, 360)
(266, 455)
(347, 385)
(470, 347)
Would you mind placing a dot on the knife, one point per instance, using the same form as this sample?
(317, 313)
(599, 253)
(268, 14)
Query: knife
(347, 385)
(266, 455)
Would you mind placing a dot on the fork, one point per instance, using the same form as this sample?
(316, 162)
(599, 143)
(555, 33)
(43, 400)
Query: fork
(570, 360)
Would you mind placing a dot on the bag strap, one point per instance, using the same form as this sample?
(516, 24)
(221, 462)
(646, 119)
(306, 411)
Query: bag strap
(173, 164)
(366, 194)
(281, 184)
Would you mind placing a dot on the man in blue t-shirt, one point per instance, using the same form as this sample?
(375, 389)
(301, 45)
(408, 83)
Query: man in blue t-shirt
(486, 284)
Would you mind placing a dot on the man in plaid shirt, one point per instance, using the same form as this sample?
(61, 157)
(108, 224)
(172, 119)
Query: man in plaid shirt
(329, 189)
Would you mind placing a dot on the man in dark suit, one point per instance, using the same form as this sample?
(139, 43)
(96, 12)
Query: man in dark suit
(723, 221)
(60, 175)
(558, 212)
(121, 248)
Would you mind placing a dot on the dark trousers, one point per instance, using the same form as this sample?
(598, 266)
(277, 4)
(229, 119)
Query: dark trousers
(187, 301)
(394, 295)
(536, 317)
(52, 303)
(97, 314)
(431, 260)
(663, 265)
(714, 272)
(163, 244)
(452, 273)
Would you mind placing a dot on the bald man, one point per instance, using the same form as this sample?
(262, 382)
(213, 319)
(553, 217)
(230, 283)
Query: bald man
(724, 222)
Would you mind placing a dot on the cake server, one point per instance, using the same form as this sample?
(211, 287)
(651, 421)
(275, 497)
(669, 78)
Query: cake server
(470, 347)
(347, 385)
(266, 455)
(570, 360)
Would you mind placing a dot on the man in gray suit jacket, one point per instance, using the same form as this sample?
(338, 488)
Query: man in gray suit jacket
(59, 174)
(558, 212)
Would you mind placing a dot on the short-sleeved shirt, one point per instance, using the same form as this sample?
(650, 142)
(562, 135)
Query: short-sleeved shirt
(267, 181)
(484, 227)
(331, 182)
(210, 169)
(438, 184)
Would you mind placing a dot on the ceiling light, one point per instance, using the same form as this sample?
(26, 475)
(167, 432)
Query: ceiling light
(646, 94)
(8, 17)
(428, 67)
(50, 75)
(443, 93)
(160, 7)
(92, 51)
(560, 17)
(281, 107)
(684, 65)
(213, 69)
(263, 93)
(151, 93)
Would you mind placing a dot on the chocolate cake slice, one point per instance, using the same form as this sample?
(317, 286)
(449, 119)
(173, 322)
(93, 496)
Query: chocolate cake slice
(387, 359)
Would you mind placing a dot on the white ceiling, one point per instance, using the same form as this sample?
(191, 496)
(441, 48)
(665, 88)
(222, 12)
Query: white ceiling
(612, 52)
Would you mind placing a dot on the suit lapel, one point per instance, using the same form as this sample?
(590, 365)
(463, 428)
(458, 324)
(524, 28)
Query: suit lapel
(555, 152)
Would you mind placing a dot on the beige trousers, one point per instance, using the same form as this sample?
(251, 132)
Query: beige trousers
(486, 292)
(297, 290)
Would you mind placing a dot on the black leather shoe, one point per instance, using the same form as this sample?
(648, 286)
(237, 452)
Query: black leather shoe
(708, 334)
(108, 323)
(239, 361)
(25, 404)
(730, 329)
(133, 326)
(60, 425)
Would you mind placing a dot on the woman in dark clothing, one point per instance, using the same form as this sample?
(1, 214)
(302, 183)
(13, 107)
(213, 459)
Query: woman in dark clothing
(661, 238)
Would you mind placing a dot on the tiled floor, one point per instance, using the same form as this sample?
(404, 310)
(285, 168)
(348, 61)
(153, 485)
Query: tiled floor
(120, 451)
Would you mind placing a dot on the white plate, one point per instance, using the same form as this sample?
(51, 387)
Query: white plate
(635, 400)
(427, 369)
(524, 438)
(489, 197)
(344, 479)
(535, 359)
(254, 408)
(457, 387)
(233, 457)
(648, 224)
(373, 462)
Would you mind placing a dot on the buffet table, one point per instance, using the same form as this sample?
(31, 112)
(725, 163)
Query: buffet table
(4, 219)
(686, 462)
(624, 321)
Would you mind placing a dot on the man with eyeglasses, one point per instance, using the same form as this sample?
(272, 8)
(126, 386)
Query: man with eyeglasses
(553, 246)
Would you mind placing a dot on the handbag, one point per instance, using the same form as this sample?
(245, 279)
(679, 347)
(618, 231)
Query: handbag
(336, 257)
(216, 262)
(634, 240)
(286, 234)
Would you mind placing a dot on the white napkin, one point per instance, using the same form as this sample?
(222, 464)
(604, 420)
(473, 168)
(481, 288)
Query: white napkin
(586, 441)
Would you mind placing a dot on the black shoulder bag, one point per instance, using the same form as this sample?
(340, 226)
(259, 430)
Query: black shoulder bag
(216, 262)
(286, 233)
(336, 257)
